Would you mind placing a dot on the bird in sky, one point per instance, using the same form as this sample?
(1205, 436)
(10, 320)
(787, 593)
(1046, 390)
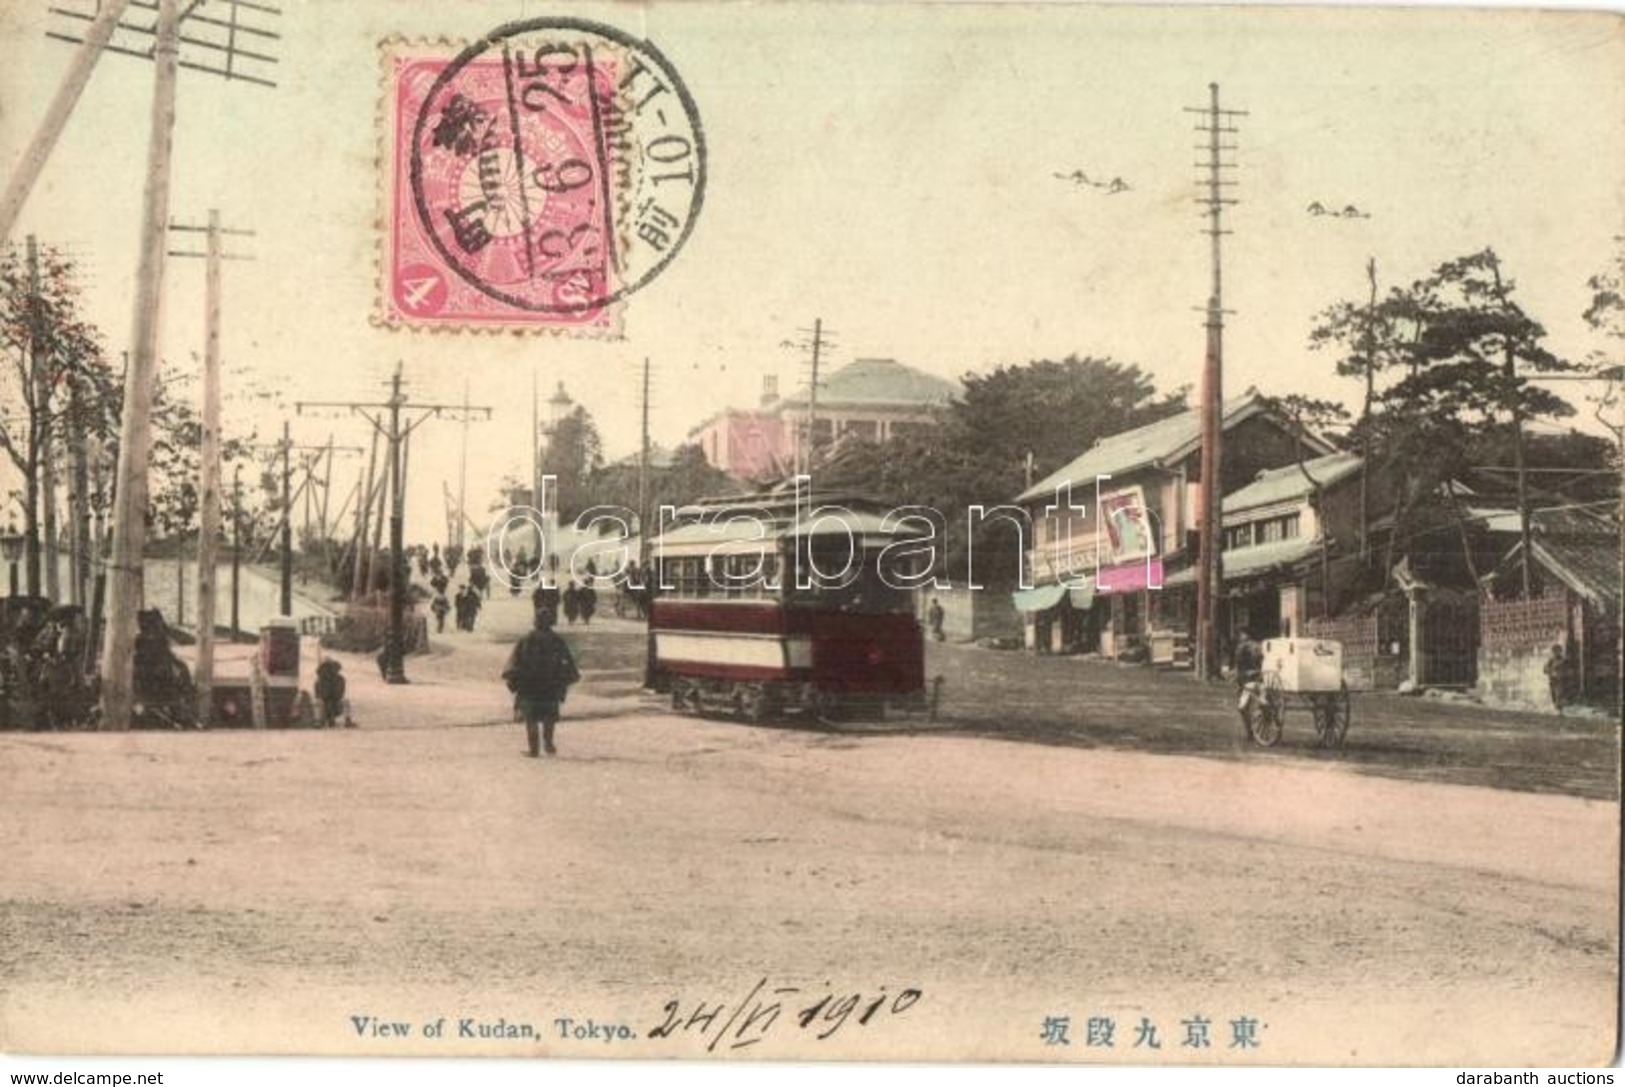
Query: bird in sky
(1349, 211)
(1110, 188)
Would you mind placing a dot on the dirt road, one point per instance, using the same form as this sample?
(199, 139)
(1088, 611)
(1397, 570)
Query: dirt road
(304, 891)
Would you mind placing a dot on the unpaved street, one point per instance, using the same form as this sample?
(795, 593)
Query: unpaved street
(293, 891)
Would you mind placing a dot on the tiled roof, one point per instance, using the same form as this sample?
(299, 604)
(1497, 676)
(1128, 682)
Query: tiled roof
(1244, 562)
(879, 383)
(1155, 443)
(1587, 564)
(1282, 484)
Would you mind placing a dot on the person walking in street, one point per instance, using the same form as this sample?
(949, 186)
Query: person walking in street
(546, 598)
(1556, 674)
(464, 595)
(587, 601)
(1249, 669)
(440, 606)
(572, 602)
(933, 619)
(330, 688)
(475, 602)
(540, 671)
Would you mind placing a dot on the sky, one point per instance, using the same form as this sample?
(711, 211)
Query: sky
(887, 168)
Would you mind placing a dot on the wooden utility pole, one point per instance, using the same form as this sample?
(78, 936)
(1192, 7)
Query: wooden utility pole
(643, 477)
(1370, 345)
(236, 548)
(1515, 410)
(57, 113)
(135, 429)
(462, 465)
(285, 603)
(536, 468)
(812, 391)
(1210, 572)
(79, 499)
(44, 438)
(386, 421)
(360, 571)
(39, 420)
(209, 482)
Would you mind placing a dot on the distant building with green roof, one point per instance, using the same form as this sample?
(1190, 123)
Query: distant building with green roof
(870, 400)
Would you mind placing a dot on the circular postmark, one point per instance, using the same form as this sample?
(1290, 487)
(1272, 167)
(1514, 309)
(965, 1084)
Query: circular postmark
(558, 165)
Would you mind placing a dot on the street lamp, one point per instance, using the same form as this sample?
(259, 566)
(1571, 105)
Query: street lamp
(11, 545)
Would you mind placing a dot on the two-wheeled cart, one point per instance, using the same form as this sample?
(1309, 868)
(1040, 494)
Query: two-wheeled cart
(1306, 674)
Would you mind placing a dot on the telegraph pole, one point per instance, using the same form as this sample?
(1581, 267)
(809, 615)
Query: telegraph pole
(816, 347)
(535, 466)
(361, 570)
(230, 59)
(812, 390)
(643, 477)
(236, 546)
(386, 421)
(135, 430)
(209, 484)
(1210, 574)
(39, 438)
(462, 466)
(286, 603)
(42, 528)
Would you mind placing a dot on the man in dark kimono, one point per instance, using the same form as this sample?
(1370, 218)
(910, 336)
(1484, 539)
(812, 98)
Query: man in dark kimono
(539, 673)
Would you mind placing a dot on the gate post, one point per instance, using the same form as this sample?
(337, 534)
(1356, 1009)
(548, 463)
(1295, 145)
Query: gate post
(1418, 609)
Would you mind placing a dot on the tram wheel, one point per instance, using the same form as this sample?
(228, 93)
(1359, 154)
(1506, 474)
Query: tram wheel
(755, 702)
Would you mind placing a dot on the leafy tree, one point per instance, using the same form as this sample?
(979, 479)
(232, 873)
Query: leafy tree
(978, 451)
(1053, 411)
(1454, 353)
(573, 453)
(1606, 314)
(57, 358)
(681, 479)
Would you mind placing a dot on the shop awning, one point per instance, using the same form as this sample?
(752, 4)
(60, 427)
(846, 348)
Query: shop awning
(1042, 598)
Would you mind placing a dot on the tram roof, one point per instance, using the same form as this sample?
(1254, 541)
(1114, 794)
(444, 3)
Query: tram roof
(745, 531)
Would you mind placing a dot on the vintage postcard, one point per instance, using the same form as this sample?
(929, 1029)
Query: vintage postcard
(1023, 533)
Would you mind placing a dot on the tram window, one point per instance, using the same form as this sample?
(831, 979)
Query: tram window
(866, 592)
(746, 576)
(687, 577)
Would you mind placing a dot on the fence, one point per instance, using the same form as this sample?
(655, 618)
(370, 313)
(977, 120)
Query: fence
(363, 628)
(1375, 645)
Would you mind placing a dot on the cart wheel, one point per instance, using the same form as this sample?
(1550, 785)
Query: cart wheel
(1270, 717)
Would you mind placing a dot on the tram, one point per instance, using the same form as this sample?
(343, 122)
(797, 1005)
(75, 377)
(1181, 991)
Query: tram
(787, 603)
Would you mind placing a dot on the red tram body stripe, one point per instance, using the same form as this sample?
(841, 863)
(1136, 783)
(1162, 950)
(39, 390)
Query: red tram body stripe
(850, 653)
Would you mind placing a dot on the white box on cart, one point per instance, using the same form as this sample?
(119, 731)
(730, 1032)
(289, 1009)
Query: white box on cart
(1305, 664)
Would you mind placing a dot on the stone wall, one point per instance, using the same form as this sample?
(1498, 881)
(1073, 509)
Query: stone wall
(970, 614)
(1515, 640)
(1368, 663)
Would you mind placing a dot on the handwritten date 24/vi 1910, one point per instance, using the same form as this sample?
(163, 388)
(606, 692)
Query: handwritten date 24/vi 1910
(753, 1019)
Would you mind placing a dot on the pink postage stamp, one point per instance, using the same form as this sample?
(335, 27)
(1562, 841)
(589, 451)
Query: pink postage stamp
(533, 180)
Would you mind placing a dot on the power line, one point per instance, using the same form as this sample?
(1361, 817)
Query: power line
(209, 484)
(386, 421)
(237, 47)
(817, 345)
